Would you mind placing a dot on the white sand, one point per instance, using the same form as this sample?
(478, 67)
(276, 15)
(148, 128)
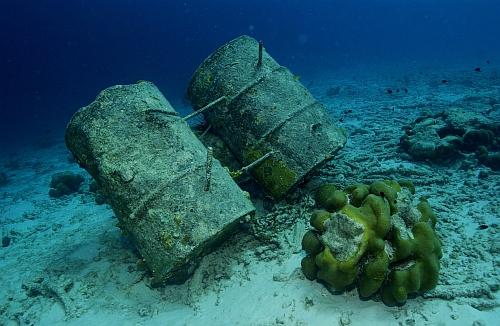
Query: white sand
(68, 264)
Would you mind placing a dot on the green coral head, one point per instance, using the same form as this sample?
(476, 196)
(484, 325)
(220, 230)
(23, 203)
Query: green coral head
(330, 198)
(388, 190)
(335, 273)
(358, 193)
(380, 236)
(311, 243)
(318, 218)
(415, 266)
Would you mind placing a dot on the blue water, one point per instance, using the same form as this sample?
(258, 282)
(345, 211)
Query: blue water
(57, 55)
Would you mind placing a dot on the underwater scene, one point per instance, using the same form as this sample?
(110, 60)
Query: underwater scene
(320, 162)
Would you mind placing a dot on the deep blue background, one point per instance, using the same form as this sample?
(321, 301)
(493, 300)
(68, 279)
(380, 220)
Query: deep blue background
(57, 55)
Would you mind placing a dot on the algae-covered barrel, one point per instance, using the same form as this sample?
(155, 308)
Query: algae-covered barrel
(172, 200)
(265, 110)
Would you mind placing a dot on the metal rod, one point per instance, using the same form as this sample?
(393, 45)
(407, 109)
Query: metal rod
(208, 173)
(236, 174)
(209, 105)
(259, 63)
(256, 162)
(205, 132)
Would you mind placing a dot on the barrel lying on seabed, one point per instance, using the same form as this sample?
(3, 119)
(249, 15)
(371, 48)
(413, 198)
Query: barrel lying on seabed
(172, 200)
(261, 108)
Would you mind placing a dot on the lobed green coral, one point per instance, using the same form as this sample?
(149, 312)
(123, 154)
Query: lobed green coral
(490, 160)
(442, 136)
(329, 197)
(381, 238)
(493, 162)
(479, 137)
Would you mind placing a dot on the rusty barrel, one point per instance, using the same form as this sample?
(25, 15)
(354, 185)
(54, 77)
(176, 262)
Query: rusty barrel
(153, 172)
(265, 110)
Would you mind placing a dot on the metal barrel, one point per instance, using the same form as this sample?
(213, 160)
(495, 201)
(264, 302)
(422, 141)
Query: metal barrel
(171, 198)
(265, 109)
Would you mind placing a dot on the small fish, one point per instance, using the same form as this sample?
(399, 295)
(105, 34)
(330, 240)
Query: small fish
(406, 90)
(388, 91)
(478, 69)
(341, 120)
(297, 77)
(482, 227)
(444, 81)
(488, 61)
(397, 91)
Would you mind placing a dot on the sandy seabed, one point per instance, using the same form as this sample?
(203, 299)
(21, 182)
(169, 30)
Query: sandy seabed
(68, 264)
